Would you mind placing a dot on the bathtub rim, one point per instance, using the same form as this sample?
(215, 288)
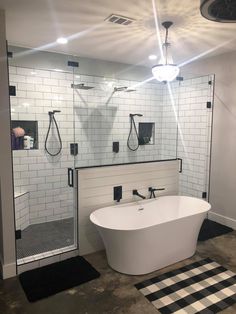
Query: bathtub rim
(143, 202)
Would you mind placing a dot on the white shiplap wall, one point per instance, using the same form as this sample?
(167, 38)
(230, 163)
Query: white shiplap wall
(95, 190)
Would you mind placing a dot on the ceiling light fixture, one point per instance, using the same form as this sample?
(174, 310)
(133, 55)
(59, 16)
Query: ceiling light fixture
(62, 40)
(152, 57)
(165, 70)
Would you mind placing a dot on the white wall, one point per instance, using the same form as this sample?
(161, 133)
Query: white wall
(7, 228)
(185, 101)
(223, 165)
(95, 190)
(47, 60)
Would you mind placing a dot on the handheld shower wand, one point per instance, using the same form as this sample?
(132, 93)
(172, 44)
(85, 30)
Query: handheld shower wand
(132, 124)
(51, 120)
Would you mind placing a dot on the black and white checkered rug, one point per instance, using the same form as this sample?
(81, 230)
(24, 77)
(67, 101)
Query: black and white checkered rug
(202, 287)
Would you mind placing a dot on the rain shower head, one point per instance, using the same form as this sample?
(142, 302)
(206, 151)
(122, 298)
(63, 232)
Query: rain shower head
(120, 89)
(128, 90)
(81, 86)
(135, 114)
(53, 112)
(124, 89)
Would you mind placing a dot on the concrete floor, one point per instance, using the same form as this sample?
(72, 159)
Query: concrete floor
(112, 292)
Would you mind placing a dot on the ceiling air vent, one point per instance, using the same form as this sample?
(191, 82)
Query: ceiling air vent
(119, 19)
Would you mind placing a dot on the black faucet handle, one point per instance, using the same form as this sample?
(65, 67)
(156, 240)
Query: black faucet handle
(150, 189)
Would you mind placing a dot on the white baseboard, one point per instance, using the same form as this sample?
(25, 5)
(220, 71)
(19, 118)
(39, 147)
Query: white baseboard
(8, 270)
(229, 222)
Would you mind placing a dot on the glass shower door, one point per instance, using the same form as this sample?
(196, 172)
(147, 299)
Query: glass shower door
(195, 109)
(42, 130)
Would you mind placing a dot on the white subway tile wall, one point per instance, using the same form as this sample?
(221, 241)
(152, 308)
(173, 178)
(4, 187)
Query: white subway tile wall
(22, 210)
(189, 98)
(42, 176)
(102, 117)
(98, 117)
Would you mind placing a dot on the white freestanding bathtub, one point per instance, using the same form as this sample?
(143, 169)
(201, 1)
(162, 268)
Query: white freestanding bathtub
(148, 235)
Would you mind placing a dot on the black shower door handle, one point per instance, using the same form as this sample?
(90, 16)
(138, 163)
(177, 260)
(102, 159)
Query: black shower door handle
(70, 177)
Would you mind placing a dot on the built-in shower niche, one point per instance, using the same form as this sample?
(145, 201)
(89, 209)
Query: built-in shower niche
(24, 135)
(146, 133)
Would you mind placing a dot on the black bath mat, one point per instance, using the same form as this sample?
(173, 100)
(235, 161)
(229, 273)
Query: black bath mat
(48, 280)
(211, 229)
(202, 287)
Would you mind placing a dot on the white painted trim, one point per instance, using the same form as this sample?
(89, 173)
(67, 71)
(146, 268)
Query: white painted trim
(227, 221)
(8, 270)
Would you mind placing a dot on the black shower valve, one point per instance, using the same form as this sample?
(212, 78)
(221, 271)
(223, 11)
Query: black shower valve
(117, 193)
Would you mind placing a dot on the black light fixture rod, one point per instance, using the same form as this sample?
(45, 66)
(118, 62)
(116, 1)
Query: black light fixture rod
(166, 25)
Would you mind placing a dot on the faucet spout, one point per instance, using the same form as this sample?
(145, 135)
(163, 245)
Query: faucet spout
(135, 192)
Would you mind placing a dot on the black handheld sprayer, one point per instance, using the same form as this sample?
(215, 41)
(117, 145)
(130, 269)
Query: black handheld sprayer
(52, 120)
(133, 125)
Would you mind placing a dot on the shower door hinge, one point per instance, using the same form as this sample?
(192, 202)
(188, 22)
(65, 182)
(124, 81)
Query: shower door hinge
(18, 234)
(10, 54)
(74, 149)
(12, 90)
(208, 104)
(204, 195)
(73, 64)
(209, 82)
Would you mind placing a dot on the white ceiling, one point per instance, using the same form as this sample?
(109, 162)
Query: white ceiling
(37, 23)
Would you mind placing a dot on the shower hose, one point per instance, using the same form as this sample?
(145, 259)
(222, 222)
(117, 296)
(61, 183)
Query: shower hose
(132, 125)
(51, 120)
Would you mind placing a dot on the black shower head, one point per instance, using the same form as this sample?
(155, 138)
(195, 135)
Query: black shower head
(135, 114)
(54, 111)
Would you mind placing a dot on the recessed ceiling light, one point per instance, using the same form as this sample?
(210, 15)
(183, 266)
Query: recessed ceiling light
(152, 57)
(62, 40)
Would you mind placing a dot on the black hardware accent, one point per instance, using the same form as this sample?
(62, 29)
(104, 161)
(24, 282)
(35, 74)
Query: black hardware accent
(208, 105)
(18, 234)
(152, 190)
(127, 163)
(209, 82)
(181, 165)
(12, 90)
(10, 54)
(115, 147)
(74, 149)
(179, 78)
(204, 194)
(117, 193)
(73, 64)
(70, 177)
(135, 192)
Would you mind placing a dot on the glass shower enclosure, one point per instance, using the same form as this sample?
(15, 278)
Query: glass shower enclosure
(42, 132)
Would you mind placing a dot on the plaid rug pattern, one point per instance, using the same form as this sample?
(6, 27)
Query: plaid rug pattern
(202, 287)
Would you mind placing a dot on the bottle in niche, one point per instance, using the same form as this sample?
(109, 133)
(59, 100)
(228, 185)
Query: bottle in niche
(31, 142)
(26, 142)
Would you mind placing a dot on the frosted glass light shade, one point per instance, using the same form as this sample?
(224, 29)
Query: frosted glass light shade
(165, 72)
